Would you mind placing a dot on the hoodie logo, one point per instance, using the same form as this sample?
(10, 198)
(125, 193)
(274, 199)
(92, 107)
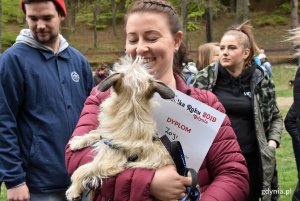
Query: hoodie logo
(248, 94)
(75, 77)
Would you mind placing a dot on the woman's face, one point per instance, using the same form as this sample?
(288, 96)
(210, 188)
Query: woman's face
(232, 52)
(148, 35)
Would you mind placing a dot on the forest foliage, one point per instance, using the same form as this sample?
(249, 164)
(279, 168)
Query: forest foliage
(99, 15)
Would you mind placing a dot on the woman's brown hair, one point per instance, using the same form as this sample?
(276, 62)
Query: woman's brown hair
(206, 54)
(245, 34)
(164, 8)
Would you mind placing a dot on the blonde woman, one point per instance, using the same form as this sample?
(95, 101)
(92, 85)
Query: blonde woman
(250, 103)
(207, 53)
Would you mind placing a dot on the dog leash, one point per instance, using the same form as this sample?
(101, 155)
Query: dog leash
(176, 151)
(192, 192)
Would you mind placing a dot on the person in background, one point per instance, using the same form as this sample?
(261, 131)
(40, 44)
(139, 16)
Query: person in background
(189, 71)
(262, 60)
(250, 102)
(293, 114)
(45, 82)
(207, 53)
(3, 103)
(290, 123)
(101, 73)
(153, 31)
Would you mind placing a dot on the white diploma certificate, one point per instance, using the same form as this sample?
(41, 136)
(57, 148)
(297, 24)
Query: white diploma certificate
(189, 121)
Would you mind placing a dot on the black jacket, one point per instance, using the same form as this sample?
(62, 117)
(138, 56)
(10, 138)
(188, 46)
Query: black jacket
(297, 96)
(290, 122)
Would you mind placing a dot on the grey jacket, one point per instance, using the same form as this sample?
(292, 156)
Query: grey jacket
(267, 117)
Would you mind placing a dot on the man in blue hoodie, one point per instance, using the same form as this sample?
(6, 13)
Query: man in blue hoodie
(45, 82)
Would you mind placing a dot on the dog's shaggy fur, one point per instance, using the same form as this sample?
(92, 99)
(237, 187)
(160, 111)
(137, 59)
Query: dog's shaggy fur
(126, 135)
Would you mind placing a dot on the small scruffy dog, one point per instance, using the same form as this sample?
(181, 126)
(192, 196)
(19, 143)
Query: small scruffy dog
(126, 136)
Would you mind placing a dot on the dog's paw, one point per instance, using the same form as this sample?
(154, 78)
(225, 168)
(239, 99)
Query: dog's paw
(92, 182)
(77, 143)
(73, 195)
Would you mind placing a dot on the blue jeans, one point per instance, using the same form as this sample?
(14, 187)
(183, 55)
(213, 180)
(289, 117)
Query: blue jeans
(296, 147)
(59, 196)
(268, 68)
(55, 196)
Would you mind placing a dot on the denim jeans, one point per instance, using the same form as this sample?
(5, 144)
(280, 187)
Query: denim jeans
(59, 196)
(268, 68)
(296, 195)
(296, 147)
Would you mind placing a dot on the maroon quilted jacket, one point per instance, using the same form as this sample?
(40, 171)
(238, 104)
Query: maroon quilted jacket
(222, 176)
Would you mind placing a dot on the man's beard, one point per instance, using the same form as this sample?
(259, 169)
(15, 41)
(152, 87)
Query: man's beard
(52, 38)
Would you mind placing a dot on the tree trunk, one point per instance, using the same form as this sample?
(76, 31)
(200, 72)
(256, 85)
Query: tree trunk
(184, 15)
(65, 28)
(239, 10)
(113, 5)
(98, 11)
(294, 14)
(294, 23)
(95, 25)
(242, 10)
(246, 10)
(232, 6)
(72, 15)
(208, 17)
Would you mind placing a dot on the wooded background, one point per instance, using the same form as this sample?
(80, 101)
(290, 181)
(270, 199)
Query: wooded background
(205, 16)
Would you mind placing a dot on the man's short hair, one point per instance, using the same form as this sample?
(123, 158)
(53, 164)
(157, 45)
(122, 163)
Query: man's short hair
(59, 5)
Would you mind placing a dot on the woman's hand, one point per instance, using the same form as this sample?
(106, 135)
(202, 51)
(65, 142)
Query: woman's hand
(272, 143)
(167, 184)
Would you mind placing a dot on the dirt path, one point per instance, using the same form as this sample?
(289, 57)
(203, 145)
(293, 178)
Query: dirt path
(284, 101)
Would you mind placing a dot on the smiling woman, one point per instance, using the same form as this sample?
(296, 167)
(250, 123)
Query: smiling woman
(154, 32)
(149, 37)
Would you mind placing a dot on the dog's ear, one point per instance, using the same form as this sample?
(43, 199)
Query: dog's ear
(109, 81)
(164, 91)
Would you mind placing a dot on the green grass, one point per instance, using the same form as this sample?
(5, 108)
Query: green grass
(3, 193)
(281, 75)
(286, 164)
(286, 167)
(285, 158)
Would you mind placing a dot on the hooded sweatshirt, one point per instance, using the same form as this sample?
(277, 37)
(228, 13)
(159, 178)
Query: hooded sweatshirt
(44, 93)
(26, 37)
(235, 95)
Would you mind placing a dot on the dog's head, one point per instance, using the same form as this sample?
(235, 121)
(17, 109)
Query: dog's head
(132, 80)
